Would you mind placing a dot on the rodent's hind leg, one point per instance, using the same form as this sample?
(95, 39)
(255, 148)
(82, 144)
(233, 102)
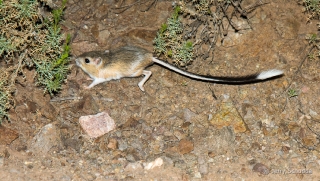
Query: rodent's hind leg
(146, 74)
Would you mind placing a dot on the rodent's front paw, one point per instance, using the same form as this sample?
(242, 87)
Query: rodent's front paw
(86, 87)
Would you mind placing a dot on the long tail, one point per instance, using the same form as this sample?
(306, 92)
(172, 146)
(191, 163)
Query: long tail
(226, 80)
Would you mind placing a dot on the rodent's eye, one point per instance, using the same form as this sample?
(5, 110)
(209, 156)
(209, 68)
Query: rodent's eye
(87, 60)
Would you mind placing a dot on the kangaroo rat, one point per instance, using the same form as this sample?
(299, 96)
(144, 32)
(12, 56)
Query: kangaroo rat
(131, 61)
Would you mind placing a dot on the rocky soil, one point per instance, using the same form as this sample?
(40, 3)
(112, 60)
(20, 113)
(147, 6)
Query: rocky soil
(199, 130)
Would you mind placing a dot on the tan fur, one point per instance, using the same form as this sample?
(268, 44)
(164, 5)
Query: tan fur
(123, 62)
(131, 62)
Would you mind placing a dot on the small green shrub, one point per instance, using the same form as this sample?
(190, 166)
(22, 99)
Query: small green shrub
(184, 52)
(203, 6)
(39, 44)
(6, 45)
(51, 74)
(292, 93)
(6, 89)
(314, 41)
(313, 8)
(26, 8)
(169, 41)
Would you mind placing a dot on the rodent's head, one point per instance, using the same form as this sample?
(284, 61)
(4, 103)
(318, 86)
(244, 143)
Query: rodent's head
(90, 62)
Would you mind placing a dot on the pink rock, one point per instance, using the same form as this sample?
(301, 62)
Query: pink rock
(97, 125)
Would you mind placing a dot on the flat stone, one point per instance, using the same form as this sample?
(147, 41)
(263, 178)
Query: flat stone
(97, 125)
(7, 135)
(228, 115)
(47, 138)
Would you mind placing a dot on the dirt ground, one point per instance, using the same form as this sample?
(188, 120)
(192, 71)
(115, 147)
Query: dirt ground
(201, 130)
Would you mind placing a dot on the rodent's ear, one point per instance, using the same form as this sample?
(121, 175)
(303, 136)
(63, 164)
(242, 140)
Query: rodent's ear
(98, 61)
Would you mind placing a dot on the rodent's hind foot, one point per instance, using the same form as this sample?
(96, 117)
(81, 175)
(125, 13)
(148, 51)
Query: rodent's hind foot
(146, 74)
(141, 87)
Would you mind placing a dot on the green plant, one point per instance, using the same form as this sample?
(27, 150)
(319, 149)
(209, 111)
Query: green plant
(57, 14)
(5, 94)
(160, 44)
(52, 74)
(6, 45)
(313, 8)
(292, 93)
(4, 99)
(26, 8)
(184, 52)
(39, 43)
(169, 41)
(174, 27)
(203, 6)
(314, 41)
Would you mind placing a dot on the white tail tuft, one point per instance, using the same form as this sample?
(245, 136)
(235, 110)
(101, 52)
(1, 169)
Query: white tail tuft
(268, 74)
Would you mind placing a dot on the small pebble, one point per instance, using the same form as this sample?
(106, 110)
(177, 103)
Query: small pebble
(261, 168)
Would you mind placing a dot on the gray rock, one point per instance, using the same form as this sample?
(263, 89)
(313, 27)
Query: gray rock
(48, 137)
